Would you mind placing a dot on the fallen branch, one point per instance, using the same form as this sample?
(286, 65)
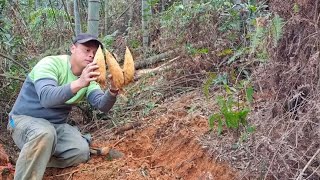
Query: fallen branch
(154, 59)
(12, 77)
(308, 164)
(117, 19)
(157, 69)
(77, 170)
(127, 127)
(16, 62)
(68, 16)
(140, 63)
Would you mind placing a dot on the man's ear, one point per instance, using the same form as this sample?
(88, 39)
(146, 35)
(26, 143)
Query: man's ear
(73, 48)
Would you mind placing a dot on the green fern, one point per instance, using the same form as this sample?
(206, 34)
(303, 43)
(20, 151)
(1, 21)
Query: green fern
(257, 38)
(234, 107)
(228, 115)
(207, 84)
(276, 29)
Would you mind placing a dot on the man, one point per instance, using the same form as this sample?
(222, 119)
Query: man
(38, 118)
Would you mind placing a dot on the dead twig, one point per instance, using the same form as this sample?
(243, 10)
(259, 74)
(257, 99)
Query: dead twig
(74, 171)
(308, 164)
(118, 142)
(12, 77)
(68, 173)
(14, 61)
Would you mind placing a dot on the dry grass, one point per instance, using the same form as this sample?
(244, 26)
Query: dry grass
(286, 142)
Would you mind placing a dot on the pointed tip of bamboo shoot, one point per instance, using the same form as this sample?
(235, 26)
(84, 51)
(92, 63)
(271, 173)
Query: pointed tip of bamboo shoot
(128, 67)
(100, 60)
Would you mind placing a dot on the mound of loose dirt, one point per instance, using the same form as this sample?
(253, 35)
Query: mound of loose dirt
(166, 146)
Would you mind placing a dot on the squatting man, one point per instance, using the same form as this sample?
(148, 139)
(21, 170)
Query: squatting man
(38, 118)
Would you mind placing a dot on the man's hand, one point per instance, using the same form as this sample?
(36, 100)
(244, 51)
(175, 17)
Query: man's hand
(113, 87)
(86, 77)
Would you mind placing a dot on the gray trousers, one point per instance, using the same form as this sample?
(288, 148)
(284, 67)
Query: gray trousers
(44, 144)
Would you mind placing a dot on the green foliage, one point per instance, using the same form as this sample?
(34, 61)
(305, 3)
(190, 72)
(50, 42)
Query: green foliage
(108, 41)
(237, 26)
(296, 8)
(42, 18)
(134, 43)
(176, 19)
(213, 79)
(234, 107)
(196, 51)
(237, 54)
(50, 15)
(7, 40)
(221, 79)
(225, 52)
(249, 29)
(265, 33)
(207, 84)
(257, 38)
(276, 29)
(10, 43)
(152, 3)
(249, 94)
(148, 107)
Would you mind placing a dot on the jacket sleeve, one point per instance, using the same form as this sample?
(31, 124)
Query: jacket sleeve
(102, 101)
(50, 94)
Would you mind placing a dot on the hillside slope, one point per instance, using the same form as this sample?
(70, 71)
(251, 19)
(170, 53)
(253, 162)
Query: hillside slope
(165, 146)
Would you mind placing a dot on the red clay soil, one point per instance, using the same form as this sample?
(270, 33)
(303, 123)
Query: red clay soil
(6, 168)
(166, 146)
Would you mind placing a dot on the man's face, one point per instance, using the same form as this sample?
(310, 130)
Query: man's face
(83, 54)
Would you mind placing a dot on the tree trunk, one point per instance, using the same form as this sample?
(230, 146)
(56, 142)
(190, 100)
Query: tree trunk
(70, 7)
(130, 15)
(77, 18)
(163, 8)
(59, 4)
(106, 13)
(16, 12)
(93, 17)
(37, 4)
(129, 25)
(145, 11)
(67, 9)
